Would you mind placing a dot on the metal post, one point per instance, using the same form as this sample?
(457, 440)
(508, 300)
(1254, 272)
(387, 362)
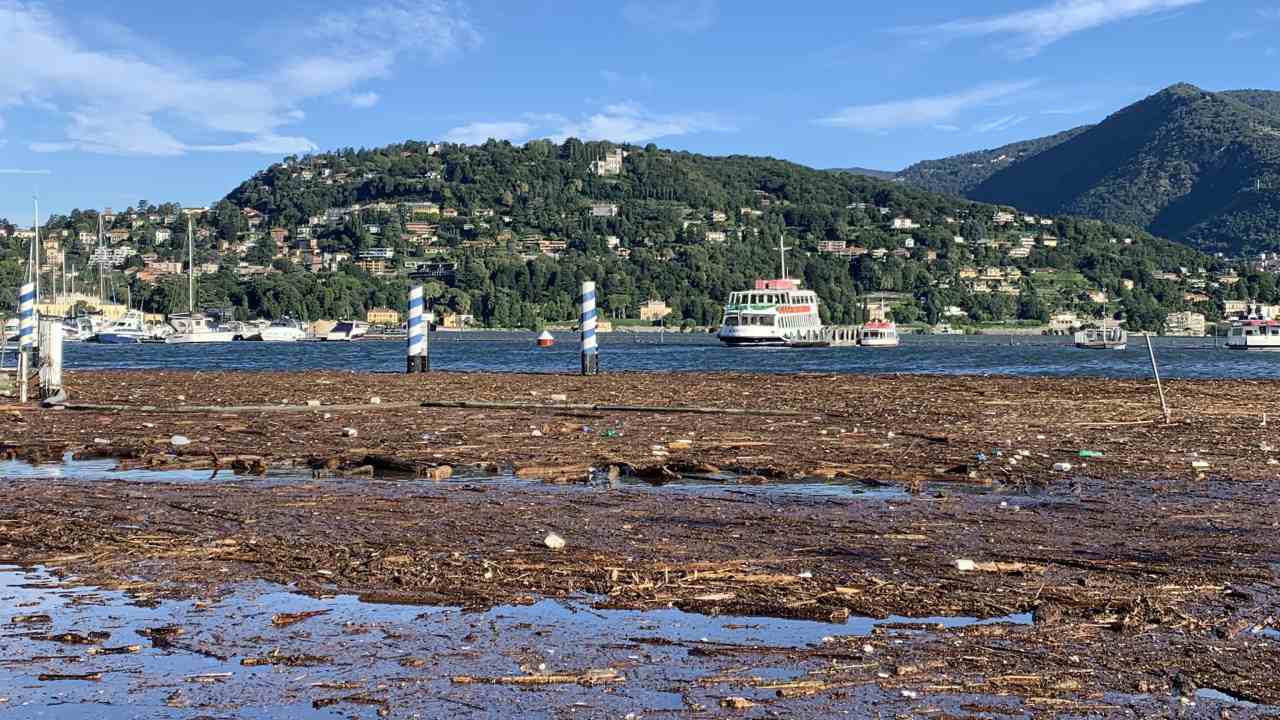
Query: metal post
(590, 348)
(417, 351)
(51, 360)
(1164, 407)
(26, 335)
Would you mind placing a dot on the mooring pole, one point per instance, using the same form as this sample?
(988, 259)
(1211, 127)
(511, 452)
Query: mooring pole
(417, 351)
(26, 335)
(51, 360)
(590, 348)
(1164, 407)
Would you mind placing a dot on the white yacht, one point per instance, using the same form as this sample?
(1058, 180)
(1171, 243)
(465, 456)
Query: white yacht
(129, 329)
(1254, 335)
(284, 330)
(347, 330)
(777, 312)
(194, 328)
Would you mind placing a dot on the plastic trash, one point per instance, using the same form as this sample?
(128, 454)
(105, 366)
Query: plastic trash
(981, 457)
(553, 541)
(375, 400)
(1062, 467)
(179, 440)
(1200, 465)
(611, 434)
(350, 432)
(1090, 454)
(964, 564)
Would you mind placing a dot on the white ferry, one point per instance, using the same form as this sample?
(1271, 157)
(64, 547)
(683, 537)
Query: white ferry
(776, 312)
(1254, 335)
(879, 333)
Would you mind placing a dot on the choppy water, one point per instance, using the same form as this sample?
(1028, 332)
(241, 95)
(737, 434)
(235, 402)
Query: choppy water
(517, 352)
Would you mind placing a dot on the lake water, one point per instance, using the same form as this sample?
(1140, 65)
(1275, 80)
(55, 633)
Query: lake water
(517, 352)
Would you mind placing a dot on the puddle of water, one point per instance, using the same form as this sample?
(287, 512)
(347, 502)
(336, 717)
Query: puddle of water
(109, 469)
(1222, 697)
(402, 655)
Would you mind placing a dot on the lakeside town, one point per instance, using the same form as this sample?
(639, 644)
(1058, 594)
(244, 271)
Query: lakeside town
(999, 272)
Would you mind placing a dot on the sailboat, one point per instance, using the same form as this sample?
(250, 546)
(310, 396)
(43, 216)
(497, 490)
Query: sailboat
(193, 328)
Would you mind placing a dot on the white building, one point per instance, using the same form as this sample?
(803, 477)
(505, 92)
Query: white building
(610, 163)
(1185, 324)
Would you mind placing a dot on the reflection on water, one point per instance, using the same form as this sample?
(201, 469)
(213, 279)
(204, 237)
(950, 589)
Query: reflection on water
(517, 352)
(374, 656)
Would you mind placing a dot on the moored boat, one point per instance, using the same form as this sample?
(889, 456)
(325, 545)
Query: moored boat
(546, 340)
(347, 330)
(1104, 338)
(1254, 335)
(284, 330)
(777, 312)
(131, 328)
(879, 333)
(192, 327)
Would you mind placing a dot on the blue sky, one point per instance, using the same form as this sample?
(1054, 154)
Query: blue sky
(148, 100)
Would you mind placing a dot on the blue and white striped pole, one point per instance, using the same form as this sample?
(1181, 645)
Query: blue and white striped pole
(26, 334)
(26, 316)
(417, 332)
(590, 348)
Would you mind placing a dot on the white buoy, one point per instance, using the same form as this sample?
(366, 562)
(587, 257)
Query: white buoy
(546, 339)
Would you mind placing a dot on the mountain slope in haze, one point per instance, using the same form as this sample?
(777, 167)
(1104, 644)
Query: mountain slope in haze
(1191, 165)
(959, 174)
(878, 174)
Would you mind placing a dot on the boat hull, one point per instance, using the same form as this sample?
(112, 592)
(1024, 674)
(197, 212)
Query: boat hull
(204, 337)
(1108, 346)
(116, 339)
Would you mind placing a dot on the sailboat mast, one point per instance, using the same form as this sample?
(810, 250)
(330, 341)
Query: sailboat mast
(102, 280)
(191, 274)
(35, 250)
(782, 253)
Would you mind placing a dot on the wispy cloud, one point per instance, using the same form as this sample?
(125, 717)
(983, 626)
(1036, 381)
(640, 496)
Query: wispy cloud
(111, 100)
(19, 171)
(1000, 123)
(922, 111)
(477, 133)
(620, 122)
(669, 15)
(364, 100)
(1072, 110)
(1037, 28)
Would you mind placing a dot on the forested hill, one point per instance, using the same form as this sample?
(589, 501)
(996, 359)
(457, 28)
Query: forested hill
(1195, 166)
(525, 224)
(960, 174)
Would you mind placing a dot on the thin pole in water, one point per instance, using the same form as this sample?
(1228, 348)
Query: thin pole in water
(1164, 407)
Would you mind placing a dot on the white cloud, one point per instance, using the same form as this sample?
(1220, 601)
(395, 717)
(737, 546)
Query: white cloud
(668, 15)
(477, 133)
(922, 111)
(364, 100)
(113, 101)
(631, 123)
(1037, 28)
(625, 122)
(20, 171)
(1000, 123)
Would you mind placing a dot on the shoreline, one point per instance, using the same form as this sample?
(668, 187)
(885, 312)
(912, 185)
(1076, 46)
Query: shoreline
(1153, 558)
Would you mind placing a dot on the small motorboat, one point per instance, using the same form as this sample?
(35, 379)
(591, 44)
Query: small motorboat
(1104, 338)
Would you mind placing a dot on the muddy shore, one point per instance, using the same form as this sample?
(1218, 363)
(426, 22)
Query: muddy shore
(1150, 566)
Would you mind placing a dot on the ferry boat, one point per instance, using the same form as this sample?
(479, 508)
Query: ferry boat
(1254, 335)
(777, 312)
(1104, 338)
(879, 333)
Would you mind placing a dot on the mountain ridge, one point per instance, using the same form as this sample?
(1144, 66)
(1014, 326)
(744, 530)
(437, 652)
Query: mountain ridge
(1192, 165)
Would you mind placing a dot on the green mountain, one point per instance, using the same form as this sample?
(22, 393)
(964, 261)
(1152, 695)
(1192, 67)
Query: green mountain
(507, 234)
(1195, 166)
(960, 174)
(524, 224)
